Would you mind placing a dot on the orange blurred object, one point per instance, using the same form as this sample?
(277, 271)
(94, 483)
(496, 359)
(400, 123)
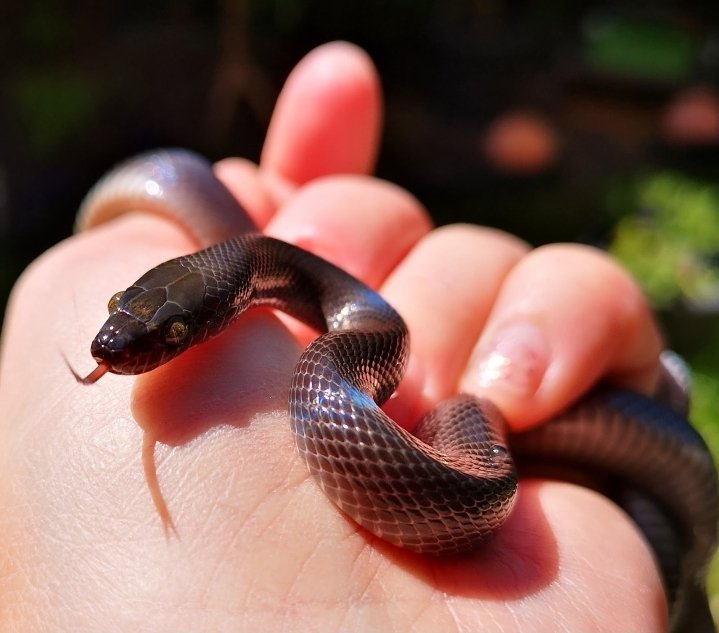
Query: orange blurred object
(692, 117)
(520, 143)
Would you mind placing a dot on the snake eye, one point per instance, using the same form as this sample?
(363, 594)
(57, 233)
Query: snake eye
(175, 330)
(114, 301)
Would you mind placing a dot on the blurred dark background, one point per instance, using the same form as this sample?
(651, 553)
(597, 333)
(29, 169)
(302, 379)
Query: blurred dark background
(588, 121)
(535, 117)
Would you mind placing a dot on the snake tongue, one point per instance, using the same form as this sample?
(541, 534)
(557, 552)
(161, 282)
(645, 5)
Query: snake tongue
(95, 375)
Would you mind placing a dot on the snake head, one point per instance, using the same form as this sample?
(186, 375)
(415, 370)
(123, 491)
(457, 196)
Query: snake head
(167, 310)
(144, 330)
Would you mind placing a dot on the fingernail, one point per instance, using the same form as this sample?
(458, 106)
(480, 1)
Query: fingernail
(513, 360)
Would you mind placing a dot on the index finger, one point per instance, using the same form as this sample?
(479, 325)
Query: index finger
(327, 119)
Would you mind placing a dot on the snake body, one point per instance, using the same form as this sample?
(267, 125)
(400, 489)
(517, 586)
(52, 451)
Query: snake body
(451, 483)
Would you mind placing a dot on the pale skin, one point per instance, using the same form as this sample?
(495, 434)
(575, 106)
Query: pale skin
(258, 546)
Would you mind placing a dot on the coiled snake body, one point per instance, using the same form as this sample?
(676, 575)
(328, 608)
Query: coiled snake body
(454, 481)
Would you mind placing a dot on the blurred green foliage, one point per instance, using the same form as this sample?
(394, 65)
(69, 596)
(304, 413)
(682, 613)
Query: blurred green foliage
(670, 243)
(638, 47)
(705, 405)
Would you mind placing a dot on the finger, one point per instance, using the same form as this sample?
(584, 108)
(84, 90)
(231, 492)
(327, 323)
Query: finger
(327, 118)
(244, 181)
(362, 225)
(566, 316)
(445, 289)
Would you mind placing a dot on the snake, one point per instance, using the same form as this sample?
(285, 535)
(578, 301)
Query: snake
(446, 487)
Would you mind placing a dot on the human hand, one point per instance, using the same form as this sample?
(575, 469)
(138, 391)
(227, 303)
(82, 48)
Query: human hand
(259, 547)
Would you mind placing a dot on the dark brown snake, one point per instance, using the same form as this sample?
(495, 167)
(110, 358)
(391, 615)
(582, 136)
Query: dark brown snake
(452, 483)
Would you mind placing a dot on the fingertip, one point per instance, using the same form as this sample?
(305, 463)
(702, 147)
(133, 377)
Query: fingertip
(510, 366)
(567, 317)
(444, 289)
(362, 225)
(327, 118)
